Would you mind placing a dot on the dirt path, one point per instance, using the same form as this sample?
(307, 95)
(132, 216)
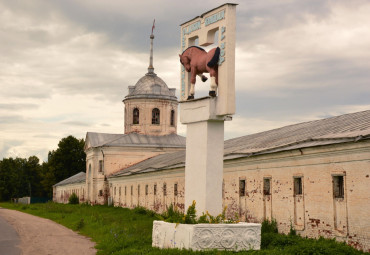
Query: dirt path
(41, 236)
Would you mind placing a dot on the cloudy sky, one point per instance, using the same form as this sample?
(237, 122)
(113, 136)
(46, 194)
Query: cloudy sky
(65, 65)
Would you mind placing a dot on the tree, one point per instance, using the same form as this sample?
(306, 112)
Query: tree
(67, 160)
(32, 177)
(20, 177)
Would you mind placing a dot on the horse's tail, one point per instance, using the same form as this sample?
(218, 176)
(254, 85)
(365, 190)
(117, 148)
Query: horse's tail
(215, 58)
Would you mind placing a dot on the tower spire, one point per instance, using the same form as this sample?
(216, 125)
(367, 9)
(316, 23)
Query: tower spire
(151, 68)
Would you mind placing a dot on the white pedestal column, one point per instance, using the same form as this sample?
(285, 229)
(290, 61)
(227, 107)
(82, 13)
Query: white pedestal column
(204, 166)
(204, 155)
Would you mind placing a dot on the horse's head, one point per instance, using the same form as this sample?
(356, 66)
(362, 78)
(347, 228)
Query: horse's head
(185, 61)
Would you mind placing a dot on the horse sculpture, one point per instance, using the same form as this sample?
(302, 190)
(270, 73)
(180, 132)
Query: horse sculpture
(196, 62)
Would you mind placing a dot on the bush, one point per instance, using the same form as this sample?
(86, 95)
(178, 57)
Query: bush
(191, 214)
(73, 199)
(269, 233)
(173, 215)
(140, 210)
(269, 226)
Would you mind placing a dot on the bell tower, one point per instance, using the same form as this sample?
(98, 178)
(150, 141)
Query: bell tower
(150, 106)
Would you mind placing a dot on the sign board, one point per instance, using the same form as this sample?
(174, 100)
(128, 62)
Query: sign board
(204, 27)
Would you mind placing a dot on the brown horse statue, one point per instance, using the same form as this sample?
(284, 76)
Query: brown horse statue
(196, 62)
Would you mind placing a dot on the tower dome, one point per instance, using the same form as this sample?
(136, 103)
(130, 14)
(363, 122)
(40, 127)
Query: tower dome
(150, 106)
(151, 86)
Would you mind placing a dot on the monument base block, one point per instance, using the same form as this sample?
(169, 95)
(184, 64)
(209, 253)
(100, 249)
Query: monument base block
(234, 237)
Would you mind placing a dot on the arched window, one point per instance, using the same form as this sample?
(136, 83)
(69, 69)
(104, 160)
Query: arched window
(135, 116)
(172, 117)
(155, 116)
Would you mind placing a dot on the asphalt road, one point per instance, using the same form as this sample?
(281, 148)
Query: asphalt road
(9, 238)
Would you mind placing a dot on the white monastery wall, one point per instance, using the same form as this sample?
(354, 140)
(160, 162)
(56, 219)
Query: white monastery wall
(155, 191)
(313, 209)
(104, 161)
(62, 193)
(315, 212)
(309, 206)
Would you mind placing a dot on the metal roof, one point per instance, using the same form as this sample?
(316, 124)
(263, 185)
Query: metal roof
(330, 130)
(168, 160)
(133, 139)
(151, 86)
(341, 129)
(77, 178)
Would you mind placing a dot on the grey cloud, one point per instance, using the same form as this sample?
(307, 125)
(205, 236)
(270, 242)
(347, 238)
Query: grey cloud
(50, 55)
(258, 19)
(293, 103)
(27, 91)
(45, 136)
(16, 106)
(129, 24)
(76, 123)
(11, 119)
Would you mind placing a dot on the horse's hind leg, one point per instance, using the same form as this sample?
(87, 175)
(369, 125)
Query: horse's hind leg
(212, 91)
(192, 91)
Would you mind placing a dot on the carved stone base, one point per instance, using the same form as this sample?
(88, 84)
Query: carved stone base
(235, 237)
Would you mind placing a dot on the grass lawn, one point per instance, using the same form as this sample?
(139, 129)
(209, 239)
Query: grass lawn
(123, 231)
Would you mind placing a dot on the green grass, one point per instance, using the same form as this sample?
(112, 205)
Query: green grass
(123, 231)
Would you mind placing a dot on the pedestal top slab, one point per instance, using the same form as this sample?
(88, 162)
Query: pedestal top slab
(200, 109)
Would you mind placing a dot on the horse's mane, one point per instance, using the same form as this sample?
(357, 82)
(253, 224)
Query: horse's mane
(194, 47)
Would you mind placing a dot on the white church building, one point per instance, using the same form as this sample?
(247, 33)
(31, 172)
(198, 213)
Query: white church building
(313, 176)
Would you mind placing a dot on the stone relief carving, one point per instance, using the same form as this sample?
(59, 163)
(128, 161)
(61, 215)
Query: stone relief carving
(242, 236)
(227, 236)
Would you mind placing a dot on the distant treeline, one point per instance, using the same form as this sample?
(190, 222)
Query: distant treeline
(21, 177)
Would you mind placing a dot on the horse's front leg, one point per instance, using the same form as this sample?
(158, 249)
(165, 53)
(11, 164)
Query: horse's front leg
(192, 84)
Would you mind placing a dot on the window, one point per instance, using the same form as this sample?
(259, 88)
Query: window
(132, 190)
(101, 192)
(100, 165)
(119, 191)
(135, 117)
(266, 186)
(146, 189)
(223, 188)
(175, 190)
(114, 190)
(242, 188)
(338, 186)
(164, 189)
(155, 189)
(298, 186)
(125, 190)
(155, 116)
(172, 117)
(138, 190)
